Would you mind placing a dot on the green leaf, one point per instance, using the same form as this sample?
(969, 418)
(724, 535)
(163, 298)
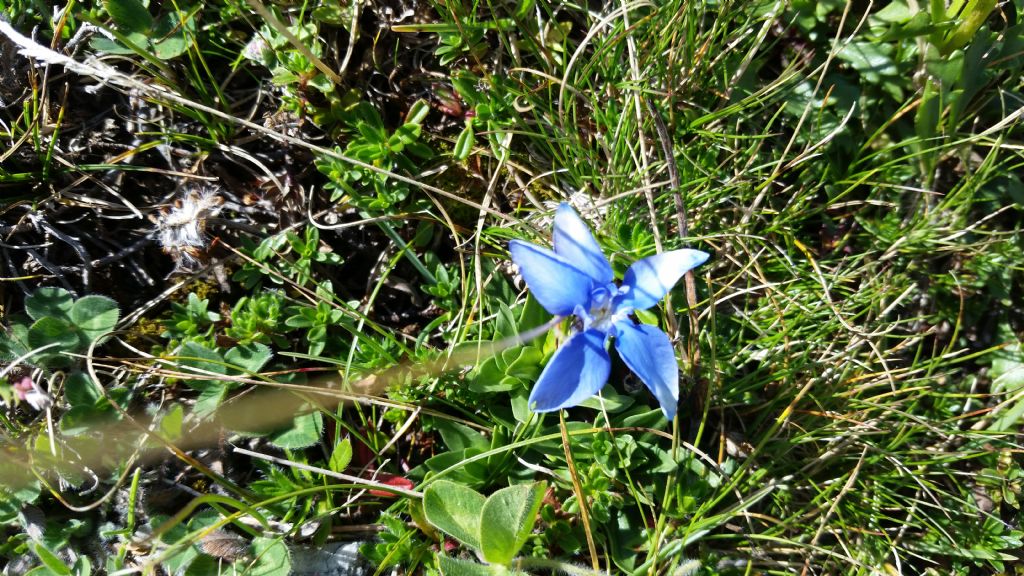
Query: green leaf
(919, 25)
(271, 558)
(507, 519)
(527, 365)
(896, 12)
(301, 317)
(94, 316)
(81, 390)
(417, 112)
(196, 355)
(129, 15)
(304, 432)
(872, 60)
(1008, 379)
(532, 315)
(51, 330)
(474, 473)
(56, 302)
(209, 398)
(926, 120)
(202, 566)
(465, 84)
(172, 47)
(405, 134)
(107, 46)
(948, 70)
(465, 142)
(496, 138)
(524, 9)
(339, 14)
(170, 424)
(13, 341)
(50, 560)
(505, 323)
(341, 456)
(609, 400)
(455, 510)
(172, 37)
(459, 436)
(456, 567)
(248, 357)
(971, 19)
(40, 571)
(178, 563)
(520, 407)
(81, 419)
(82, 567)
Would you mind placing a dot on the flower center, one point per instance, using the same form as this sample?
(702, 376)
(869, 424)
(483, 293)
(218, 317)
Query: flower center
(603, 312)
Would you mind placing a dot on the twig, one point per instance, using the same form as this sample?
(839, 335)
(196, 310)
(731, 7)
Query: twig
(52, 269)
(353, 479)
(124, 252)
(681, 221)
(83, 254)
(581, 498)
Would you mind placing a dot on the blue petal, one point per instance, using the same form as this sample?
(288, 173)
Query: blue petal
(576, 372)
(556, 284)
(648, 280)
(574, 242)
(649, 354)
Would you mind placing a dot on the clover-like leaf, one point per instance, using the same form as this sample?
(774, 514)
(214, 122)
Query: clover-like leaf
(455, 510)
(210, 398)
(172, 35)
(457, 567)
(95, 316)
(13, 341)
(507, 519)
(51, 330)
(270, 558)
(129, 15)
(81, 390)
(304, 431)
(49, 301)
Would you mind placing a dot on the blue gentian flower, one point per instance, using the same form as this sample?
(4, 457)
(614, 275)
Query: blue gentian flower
(576, 279)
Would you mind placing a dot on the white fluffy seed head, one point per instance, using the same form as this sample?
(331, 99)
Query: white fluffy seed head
(182, 227)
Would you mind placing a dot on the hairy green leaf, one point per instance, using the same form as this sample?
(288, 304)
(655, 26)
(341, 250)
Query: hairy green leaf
(94, 316)
(507, 519)
(49, 301)
(129, 15)
(455, 510)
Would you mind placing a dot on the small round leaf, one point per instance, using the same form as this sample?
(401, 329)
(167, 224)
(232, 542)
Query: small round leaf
(95, 316)
(507, 520)
(50, 330)
(49, 301)
(455, 510)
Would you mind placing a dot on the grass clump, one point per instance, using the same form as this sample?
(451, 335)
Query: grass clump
(355, 361)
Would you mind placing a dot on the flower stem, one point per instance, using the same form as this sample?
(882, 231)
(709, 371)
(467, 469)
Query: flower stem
(578, 489)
